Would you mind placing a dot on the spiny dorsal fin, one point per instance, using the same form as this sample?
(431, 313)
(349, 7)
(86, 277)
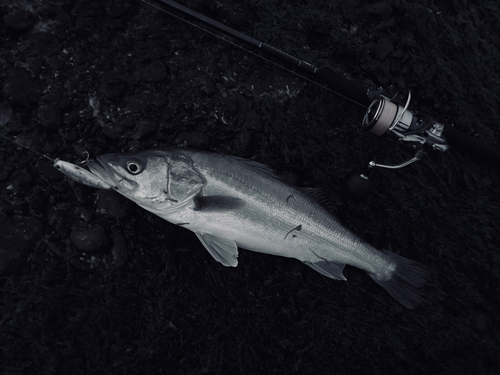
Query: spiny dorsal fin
(255, 165)
(322, 196)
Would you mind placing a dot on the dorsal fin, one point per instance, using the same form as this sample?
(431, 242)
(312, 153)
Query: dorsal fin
(254, 165)
(322, 196)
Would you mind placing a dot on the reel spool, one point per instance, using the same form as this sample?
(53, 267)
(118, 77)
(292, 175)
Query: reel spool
(383, 116)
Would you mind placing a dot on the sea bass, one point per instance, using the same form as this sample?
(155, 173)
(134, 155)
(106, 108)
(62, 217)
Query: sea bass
(232, 203)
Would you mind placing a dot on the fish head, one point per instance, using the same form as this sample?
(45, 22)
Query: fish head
(158, 179)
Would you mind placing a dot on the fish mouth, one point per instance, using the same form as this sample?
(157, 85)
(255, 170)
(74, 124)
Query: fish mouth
(100, 168)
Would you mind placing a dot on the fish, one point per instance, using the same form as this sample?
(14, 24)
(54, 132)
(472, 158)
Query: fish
(232, 203)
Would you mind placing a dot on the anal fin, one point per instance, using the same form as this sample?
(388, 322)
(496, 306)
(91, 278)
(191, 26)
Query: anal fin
(222, 250)
(329, 269)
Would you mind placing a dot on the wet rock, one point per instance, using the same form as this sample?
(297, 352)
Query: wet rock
(117, 9)
(383, 49)
(50, 116)
(22, 181)
(18, 238)
(82, 87)
(110, 203)
(89, 239)
(70, 135)
(145, 128)
(380, 9)
(193, 139)
(72, 118)
(207, 85)
(312, 150)
(113, 83)
(252, 121)
(5, 113)
(100, 38)
(53, 14)
(37, 203)
(113, 130)
(398, 54)
(159, 99)
(22, 89)
(46, 168)
(179, 43)
(154, 72)
(119, 42)
(137, 102)
(248, 141)
(19, 20)
(120, 249)
(39, 43)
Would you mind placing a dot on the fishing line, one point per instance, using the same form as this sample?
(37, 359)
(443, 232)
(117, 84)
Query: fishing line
(256, 54)
(27, 148)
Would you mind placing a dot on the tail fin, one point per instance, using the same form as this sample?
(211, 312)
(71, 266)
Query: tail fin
(407, 277)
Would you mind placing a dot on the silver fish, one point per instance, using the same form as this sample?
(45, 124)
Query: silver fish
(229, 202)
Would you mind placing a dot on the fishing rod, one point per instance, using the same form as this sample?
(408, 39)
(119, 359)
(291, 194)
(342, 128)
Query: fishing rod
(384, 116)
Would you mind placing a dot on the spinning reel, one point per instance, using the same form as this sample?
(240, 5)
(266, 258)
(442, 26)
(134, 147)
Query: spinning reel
(410, 129)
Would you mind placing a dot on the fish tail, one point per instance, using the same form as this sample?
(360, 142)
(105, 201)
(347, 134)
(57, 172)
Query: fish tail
(404, 281)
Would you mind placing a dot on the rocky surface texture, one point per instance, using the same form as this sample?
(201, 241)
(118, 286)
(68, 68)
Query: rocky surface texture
(92, 284)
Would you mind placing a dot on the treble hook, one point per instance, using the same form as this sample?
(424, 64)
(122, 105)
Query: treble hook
(87, 158)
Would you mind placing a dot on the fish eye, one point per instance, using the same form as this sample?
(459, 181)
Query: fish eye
(134, 166)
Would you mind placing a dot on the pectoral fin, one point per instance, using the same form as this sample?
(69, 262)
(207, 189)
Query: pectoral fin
(329, 269)
(222, 249)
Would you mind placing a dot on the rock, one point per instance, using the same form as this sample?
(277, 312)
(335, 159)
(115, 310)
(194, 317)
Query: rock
(248, 141)
(22, 181)
(207, 85)
(40, 43)
(154, 72)
(179, 43)
(120, 249)
(159, 99)
(46, 168)
(145, 128)
(72, 118)
(89, 239)
(111, 204)
(193, 139)
(380, 9)
(113, 83)
(383, 49)
(18, 238)
(119, 42)
(22, 89)
(50, 116)
(137, 102)
(70, 135)
(252, 121)
(5, 113)
(53, 14)
(19, 20)
(117, 9)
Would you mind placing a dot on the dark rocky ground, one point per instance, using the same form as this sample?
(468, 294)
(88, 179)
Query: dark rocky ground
(93, 284)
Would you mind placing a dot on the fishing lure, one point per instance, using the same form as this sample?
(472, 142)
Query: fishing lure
(73, 171)
(80, 175)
